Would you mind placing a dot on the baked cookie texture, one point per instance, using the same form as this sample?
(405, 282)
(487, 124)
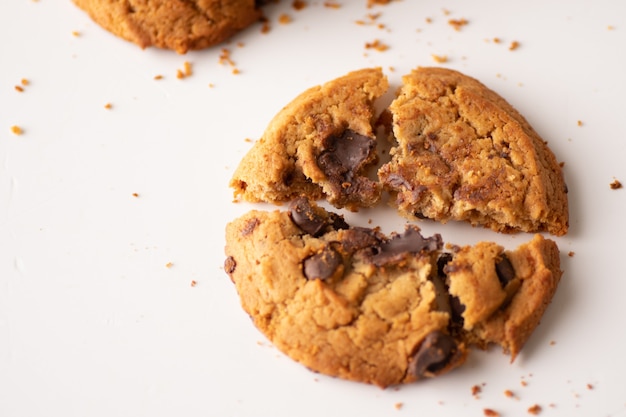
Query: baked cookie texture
(320, 145)
(354, 303)
(180, 25)
(461, 152)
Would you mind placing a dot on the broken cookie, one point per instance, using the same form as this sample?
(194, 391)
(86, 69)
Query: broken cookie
(320, 145)
(461, 152)
(355, 303)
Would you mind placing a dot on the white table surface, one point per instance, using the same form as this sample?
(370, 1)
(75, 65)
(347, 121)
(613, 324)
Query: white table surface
(108, 216)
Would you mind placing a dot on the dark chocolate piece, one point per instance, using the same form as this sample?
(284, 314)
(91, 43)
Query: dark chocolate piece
(505, 271)
(433, 354)
(359, 238)
(411, 241)
(311, 219)
(303, 215)
(322, 265)
(345, 154)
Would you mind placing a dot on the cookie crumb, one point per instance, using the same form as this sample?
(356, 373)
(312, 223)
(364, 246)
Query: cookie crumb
(169, 265)
(284, 19)
(265, 28)
(476, 390)
(552, 342)
(509, 394)
(490, 412)
(377, 45)
(158, 77)
(615, 185)
(225, 58)
(108, 106)
(579, 123)
(332, 5)
(571, 254)
(299, 4)
(16, 130)
(19, 88)
(398, 406)
(75, 33)
(187, 68)
(589, 386)
(194, 283)
(514, 45)
(457, 24)
(535, 409)
(136, 195)
(24, 82)
(440, 59)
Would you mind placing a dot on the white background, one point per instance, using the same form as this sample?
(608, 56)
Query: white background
(98, 314)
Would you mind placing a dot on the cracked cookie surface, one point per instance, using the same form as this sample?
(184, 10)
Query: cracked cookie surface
(319, 145)
(180, 25)
(461, 152)
(353, 303)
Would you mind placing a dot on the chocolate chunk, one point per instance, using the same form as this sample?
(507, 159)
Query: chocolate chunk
(314, 220)
(359, 238)
(303, 215)
(411, 241)
(344, 155)
(322, 265)
(505, 271)
(250, 226)
(433, 354)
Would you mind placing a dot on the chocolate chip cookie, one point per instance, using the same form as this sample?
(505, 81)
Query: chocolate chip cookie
(461, 152)
(355, 303)
(320, 145)
(180, 25)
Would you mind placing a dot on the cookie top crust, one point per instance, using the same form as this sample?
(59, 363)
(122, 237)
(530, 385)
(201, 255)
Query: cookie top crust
(461, 152)
(320, 145)
(354, 303)
(180, 25)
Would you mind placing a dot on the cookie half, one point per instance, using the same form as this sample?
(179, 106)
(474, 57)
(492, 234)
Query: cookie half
(180, 25)
(353, 303)
(320, 145)
(461, 152)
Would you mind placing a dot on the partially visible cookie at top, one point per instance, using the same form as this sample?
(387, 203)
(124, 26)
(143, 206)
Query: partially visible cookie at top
(354, 303)
(461, 152)
(320, 145)
(180, 25)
